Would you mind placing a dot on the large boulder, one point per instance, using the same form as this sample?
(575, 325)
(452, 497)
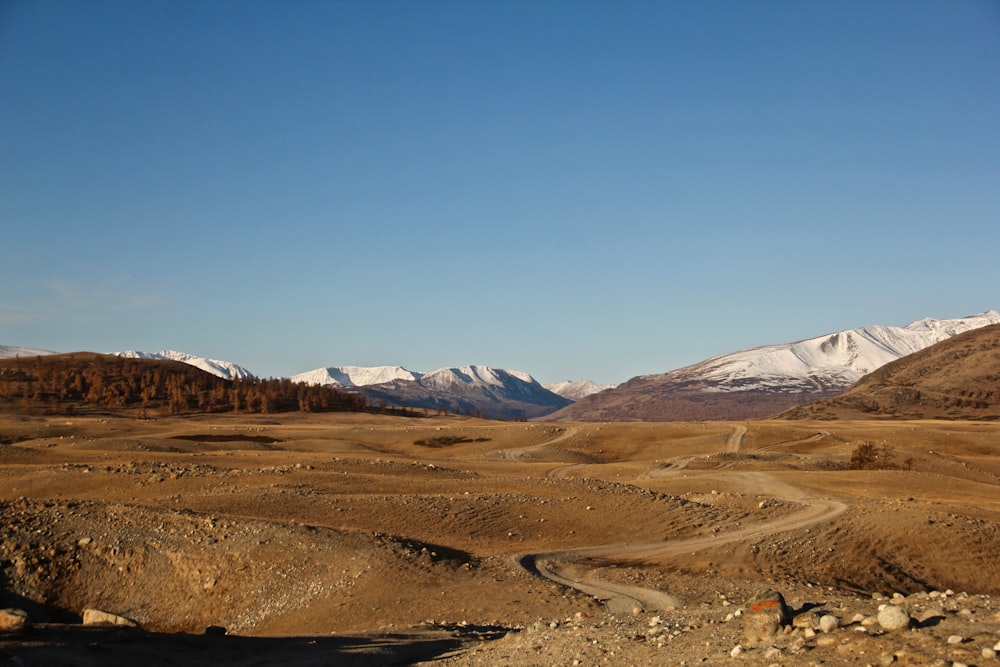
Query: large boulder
(765, 614)
(13, 620)
(892, 617)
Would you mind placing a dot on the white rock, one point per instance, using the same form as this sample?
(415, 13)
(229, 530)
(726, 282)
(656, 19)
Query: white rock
(989, 653)
(893, 618)
(955, 639)
(98, 617)
(737, 650)
(828, 623)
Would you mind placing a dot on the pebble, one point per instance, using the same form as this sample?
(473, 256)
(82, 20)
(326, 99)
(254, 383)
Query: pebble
(828, 623)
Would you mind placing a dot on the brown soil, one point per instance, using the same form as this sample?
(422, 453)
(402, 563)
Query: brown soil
(319, 539)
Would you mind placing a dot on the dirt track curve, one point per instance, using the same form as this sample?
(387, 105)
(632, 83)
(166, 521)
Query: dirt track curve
(564, 566)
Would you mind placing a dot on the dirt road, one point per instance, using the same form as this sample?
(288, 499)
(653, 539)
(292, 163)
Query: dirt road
(564, 566)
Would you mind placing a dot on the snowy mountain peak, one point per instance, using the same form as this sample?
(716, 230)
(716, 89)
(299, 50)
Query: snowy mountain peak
(224, 369)
(476, 375)
(574, 390)
(355, 376)
(832, 360)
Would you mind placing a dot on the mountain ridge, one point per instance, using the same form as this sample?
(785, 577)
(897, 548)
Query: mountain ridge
(223, 369)
(764, 380)
(957, 378)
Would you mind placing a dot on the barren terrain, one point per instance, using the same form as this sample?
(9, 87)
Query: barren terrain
(369, 539)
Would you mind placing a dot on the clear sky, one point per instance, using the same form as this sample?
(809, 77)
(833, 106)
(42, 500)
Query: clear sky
(569, 188)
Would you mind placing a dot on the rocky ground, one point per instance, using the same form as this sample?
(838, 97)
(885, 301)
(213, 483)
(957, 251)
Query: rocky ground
(319, 540)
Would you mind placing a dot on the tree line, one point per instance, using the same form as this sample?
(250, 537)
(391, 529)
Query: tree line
(85, 381)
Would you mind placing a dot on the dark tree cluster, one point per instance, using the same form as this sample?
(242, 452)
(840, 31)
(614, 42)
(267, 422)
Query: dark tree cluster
(88, 382)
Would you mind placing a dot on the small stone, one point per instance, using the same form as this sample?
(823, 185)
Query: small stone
(955, 639)
(989, 653)
(13, 620)
(84, 541)
(893, 618)
(828, 623)
(809, 633)
(808, 619)
(996, 647)
(737, 650)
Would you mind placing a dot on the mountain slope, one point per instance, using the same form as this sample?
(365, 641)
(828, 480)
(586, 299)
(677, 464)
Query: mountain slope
(766, 380)
(223, 369)
(10, 351)
(958, 378)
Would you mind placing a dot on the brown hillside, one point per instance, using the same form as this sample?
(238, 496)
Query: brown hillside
(653, 399)
(956, 379)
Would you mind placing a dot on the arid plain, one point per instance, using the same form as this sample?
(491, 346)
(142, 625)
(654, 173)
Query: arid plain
(371, 539)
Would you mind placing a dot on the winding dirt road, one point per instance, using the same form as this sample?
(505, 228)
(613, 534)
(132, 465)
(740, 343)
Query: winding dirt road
(564, 566)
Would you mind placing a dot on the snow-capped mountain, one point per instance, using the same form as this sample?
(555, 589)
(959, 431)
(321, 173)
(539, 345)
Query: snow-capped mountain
(10, 351)
(834, 360)
(574, 390)
(762, 381)
(355, 376)
(492, 392)
(224, 369)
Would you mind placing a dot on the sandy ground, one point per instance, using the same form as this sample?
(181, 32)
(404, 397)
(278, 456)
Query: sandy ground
(361, 539)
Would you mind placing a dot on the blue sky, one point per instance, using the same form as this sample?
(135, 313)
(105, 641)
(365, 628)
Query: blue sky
(570, 188)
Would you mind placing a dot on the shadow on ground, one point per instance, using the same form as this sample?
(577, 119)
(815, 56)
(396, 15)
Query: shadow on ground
(81, 646)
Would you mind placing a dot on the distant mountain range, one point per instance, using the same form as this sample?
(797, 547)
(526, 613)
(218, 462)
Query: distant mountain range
(751, 383)
(474, 390)
(488, 392)
(766, 380)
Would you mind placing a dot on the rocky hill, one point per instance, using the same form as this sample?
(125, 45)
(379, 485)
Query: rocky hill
(956, 379)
